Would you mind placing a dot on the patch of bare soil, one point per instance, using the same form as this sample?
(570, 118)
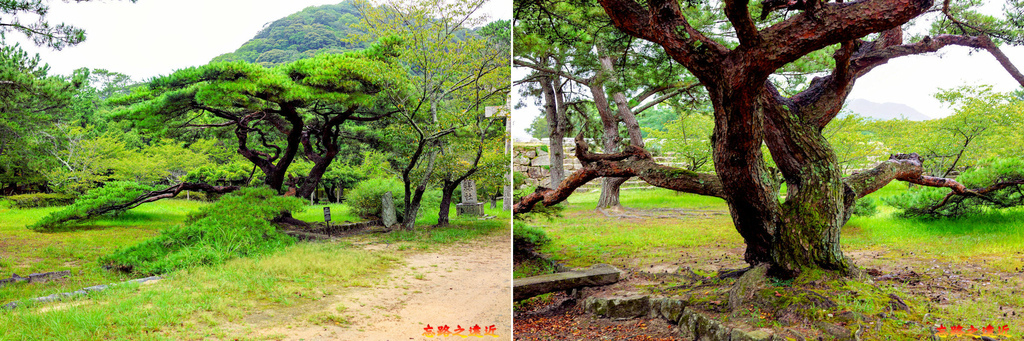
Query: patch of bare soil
(942, 281)
(459, 286)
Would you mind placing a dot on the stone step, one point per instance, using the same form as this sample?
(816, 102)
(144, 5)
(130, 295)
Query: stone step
(597, 275)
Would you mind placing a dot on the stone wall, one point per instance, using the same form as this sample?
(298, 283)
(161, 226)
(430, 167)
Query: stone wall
(533, 160)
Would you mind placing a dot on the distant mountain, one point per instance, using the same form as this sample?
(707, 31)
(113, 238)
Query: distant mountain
(316, 29)
(303, 34)
(884, 111)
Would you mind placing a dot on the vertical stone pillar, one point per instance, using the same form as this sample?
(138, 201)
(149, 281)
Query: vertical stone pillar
(387, 214)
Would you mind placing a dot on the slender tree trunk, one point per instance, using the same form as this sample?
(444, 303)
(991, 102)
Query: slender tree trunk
(447, 189)
(312, 180)
(554, 111)
(414, 199)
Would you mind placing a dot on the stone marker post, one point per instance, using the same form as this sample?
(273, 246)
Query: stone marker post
(506, 198)
(469, 204)
(388, 215)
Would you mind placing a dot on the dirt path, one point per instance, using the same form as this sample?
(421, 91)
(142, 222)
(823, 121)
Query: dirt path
(463, 285)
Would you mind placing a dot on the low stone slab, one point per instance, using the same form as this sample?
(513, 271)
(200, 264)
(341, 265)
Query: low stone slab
(618, 307)
(474, 209)
(85, 291)
(36, 278)
(597, 275)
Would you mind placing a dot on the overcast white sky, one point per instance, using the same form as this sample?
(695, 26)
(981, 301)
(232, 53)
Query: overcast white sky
(156, 37)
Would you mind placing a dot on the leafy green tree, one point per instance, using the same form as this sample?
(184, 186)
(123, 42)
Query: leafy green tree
(456, 73)
(109, 83)
(736, 60)
(300, 109)
(488, 164)
(995, 183)
(539, 128)
(984, 124)
(856, 144)
(687, 139)
(40, 32)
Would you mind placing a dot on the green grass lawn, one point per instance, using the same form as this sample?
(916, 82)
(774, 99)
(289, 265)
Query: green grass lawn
(24, 251)
(583, 236)
(199, 303)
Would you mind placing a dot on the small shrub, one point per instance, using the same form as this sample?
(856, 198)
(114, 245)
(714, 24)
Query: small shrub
(40, 200)
(365, 198)
(238, 225)
(518, 179)
(86, 207)
(865, 207)
(531, 235)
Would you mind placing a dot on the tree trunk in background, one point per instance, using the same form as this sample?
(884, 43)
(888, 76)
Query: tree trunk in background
(610, 125)
(610, 188)
(331, 195)
(554, 111)
(447, 189)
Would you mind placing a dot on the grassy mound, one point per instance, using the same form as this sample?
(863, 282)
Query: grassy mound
(235, 226)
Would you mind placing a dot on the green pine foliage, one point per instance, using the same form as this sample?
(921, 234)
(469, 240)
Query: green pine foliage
(86, 207)
(237, 225)
(865, 207)
(928, 201)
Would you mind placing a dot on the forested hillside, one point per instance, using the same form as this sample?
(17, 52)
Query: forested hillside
(328, 28)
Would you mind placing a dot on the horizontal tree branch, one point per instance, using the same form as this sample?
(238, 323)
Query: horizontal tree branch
(633, 161)
(903, 167)
(550, 71)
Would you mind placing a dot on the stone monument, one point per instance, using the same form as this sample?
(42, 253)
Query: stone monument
(387, 214)
(469, 204)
